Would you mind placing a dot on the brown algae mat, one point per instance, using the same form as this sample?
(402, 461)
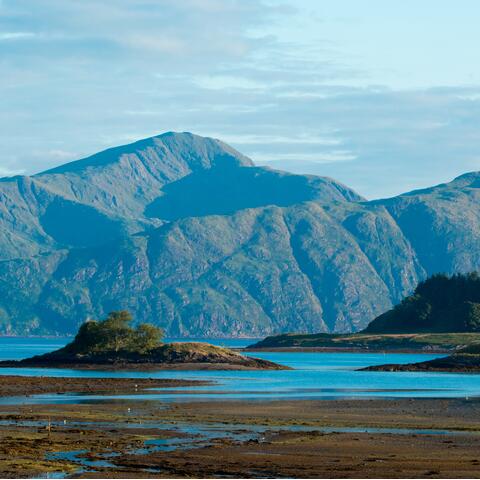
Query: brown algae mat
(123, 439)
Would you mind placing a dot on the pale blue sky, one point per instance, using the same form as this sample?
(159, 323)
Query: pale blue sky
(381, 95)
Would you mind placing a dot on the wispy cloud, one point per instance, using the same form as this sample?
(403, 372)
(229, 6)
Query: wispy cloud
(16, 35)
(272, 78)
(313, 158)
(8, 172)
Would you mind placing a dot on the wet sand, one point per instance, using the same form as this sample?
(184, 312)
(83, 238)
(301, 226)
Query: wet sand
(121, 427)
(444, 414)
(317, 455)
(17, 385)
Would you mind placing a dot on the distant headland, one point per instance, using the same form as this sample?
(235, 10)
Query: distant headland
(441, 316)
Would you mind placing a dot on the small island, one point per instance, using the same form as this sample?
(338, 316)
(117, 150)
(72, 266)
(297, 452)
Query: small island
(113, 343)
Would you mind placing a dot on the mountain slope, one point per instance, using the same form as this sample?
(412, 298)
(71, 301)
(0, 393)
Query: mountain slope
(123, 180)
(189, 234)
(135, 187)
(442, 224)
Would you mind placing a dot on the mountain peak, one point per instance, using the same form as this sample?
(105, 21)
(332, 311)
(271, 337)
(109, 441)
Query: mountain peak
(470, 179)
(190, 150)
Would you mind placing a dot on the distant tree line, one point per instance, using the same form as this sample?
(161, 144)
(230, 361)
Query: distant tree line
(115, 334)
(441, 303)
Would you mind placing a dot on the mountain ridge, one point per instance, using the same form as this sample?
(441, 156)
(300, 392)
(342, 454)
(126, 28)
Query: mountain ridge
(225, 249)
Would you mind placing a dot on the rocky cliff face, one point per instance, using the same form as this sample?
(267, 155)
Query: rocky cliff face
(187, 233)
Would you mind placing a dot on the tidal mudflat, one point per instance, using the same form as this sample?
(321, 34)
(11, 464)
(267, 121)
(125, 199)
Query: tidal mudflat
(26, 386)
(421, 438)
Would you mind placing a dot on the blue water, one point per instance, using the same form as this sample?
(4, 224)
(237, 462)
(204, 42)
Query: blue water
(315, 376)
(16, 348)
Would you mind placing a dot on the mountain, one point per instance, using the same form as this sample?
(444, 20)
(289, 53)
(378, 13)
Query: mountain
(109, 190)
(189, 234)
(438, 304)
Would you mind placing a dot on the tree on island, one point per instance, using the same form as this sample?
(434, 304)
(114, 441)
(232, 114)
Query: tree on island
(115, 334)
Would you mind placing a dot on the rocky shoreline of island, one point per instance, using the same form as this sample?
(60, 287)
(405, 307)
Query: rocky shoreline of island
(254, 364)
(171, 356)
(457, 363)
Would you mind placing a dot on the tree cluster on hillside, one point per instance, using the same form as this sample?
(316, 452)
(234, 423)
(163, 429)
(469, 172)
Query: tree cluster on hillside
(441, 303)
(115, 334)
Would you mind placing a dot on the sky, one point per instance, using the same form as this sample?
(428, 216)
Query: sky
(383, 96)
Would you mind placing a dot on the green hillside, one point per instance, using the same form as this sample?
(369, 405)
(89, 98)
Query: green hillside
(439, 304)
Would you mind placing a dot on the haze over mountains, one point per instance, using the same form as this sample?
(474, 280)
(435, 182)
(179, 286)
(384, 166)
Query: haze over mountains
(187, 233)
